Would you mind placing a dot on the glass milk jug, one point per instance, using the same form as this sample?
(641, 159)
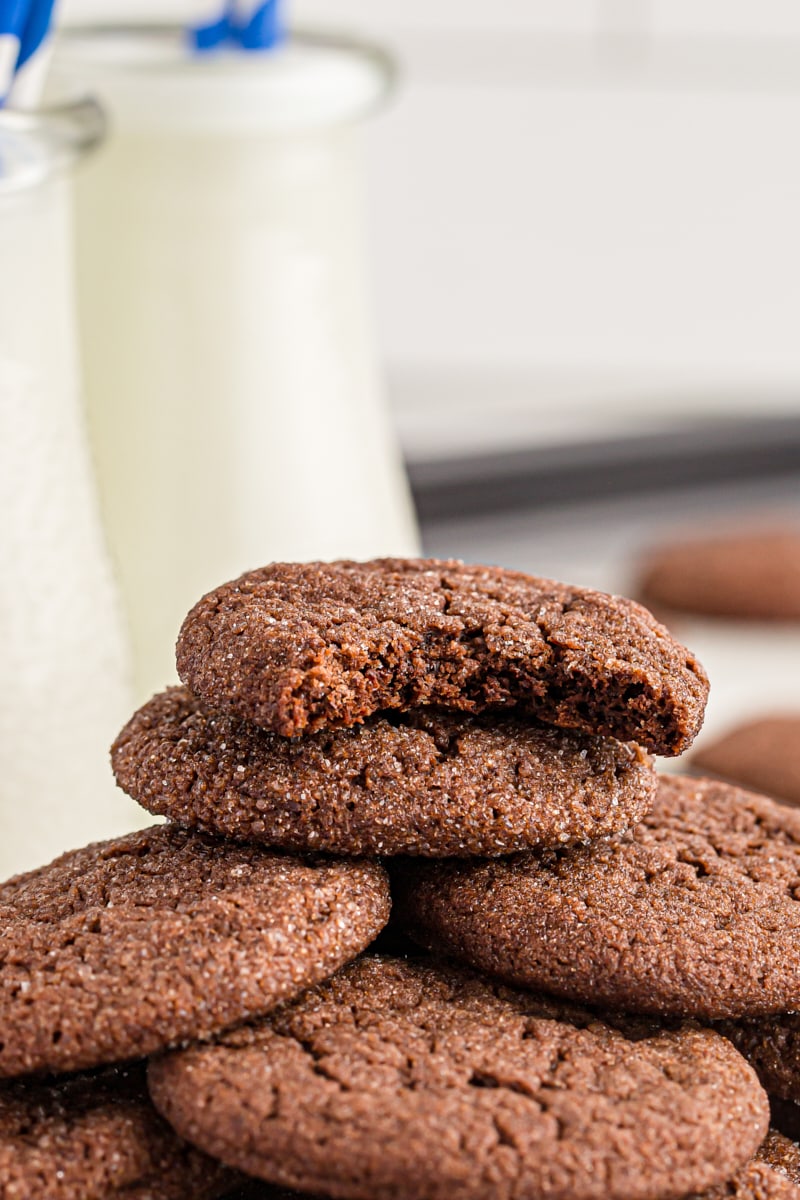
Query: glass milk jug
(236, 404)
(63, 656)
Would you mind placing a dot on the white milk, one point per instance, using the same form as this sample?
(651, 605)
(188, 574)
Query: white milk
(236, 406)
(64, 687)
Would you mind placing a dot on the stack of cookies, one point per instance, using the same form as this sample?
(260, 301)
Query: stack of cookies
(486, 736)
(405, 707)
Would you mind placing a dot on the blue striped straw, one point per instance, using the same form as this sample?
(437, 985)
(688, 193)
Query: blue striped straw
(212, 34)
(249, 26)
(37, 27)
(24, 26)
(13, 14)
(260, 27)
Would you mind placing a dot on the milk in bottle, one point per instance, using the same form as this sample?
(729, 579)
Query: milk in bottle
(236, 403)
(64, 677)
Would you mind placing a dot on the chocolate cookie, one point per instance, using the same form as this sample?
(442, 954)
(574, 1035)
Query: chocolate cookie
(773, 1174)
(300, 647)
(127, 946)
(695, 912)
(96, 1137)
(762, 754)
(415, 1080)
(427, 782)
(772, 1046)
(753, 574)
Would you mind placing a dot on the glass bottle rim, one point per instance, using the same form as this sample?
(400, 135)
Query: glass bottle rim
(147, 72)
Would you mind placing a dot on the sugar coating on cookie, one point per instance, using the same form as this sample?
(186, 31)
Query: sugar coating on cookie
(402, 1078)
(695, 912)
(781, 1154)
(95, 1137)
(127, 946)
(752, 575)
(761, 754)
(296, 647)
(430, 782)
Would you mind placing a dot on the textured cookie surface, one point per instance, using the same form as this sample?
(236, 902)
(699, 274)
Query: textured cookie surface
(773, 1174)
(695, 912)
(772, 1045)
(124, 947)
(407, 1079)
(763, 755)
(753, 574)
(96, 1137)
(300, 647)
(429, 782)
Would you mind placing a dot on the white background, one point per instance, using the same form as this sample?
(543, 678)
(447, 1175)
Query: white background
(584, 214)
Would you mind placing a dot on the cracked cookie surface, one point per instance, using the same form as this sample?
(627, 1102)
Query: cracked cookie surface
(96, 1137)
(418, 1080)
(297, 647)
(429, 782)
(772, 1174)
(127, 946)
(694, 912)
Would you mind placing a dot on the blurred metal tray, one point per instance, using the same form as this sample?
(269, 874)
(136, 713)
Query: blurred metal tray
(679, 456)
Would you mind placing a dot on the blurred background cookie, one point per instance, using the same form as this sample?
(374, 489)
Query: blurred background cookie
(762, 754)
(750, 574)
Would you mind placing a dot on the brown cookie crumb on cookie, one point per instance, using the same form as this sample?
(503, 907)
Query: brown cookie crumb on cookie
(429, 782)
(751, 575)
(299, 647)
(696, 911)
(763, 755)
(423, 1081)
(96, 1137)
(117, 950)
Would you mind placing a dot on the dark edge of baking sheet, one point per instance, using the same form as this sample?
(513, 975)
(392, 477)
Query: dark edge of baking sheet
(675, 457)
